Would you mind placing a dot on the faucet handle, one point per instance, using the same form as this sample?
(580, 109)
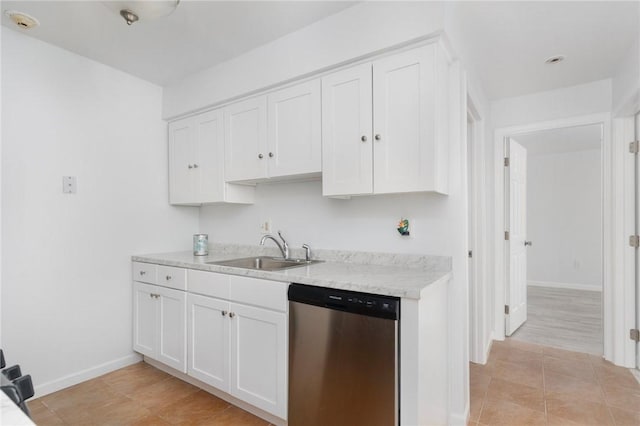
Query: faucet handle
(307, 252)
(284, 245)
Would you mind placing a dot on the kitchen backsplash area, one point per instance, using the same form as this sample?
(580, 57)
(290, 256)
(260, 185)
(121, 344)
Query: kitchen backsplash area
(298, 209)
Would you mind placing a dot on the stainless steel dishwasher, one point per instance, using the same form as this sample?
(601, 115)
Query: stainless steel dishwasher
(343, 358)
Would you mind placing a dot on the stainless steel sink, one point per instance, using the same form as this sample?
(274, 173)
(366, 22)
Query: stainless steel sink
(264, 263)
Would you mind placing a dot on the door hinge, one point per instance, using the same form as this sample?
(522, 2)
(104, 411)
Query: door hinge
(634, 335)
(506, 309)
(634, 241)
(470, 254)
(634, 147)
(506, 161)
(506, 235)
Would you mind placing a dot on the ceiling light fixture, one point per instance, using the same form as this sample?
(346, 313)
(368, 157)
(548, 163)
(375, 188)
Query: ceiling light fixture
(554, 59)
(142, 10)
(22, 20)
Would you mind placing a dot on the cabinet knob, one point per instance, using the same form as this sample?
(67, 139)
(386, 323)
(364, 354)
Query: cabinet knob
(168, 277)
(151, 295)
(224, 313)
(378, 137)
(190, 166)
(195, 166)
(528, 243)
(271, 154)
(142, 272)
(231, 315)
(260, 156)
(363, 138)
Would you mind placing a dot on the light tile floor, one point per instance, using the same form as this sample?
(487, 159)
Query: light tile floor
(137, 395)
(529, 384)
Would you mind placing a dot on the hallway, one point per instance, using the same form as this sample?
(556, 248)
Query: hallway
(529, 384)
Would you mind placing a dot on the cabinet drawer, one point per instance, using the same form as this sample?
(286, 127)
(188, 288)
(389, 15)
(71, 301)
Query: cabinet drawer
(172, 277)
(144, 272)
(208, 283)
(258, 292)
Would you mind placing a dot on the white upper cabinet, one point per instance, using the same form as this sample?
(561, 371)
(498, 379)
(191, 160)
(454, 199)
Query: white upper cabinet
(294, 130)
(405, 147)
(246, 139)
(196, 163)
(346, 132)
(275, 135)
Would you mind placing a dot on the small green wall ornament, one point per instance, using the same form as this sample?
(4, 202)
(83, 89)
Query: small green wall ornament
(403, 227)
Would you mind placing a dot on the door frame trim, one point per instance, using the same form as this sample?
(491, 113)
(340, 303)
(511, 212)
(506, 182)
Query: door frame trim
(612, 186)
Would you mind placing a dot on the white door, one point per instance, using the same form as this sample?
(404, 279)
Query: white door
(347, 153)
(172, 328)
(403, 115)
(245, 145)
(516, 296)
(181, 178)
(144, 319)
(208, 340)
(294, 130)
(209, 157)
(637, 129)
(259, 357)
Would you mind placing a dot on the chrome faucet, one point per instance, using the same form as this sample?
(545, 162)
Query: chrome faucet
(284, 247)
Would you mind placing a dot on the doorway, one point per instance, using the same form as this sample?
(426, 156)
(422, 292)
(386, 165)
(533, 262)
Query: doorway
(553, 204)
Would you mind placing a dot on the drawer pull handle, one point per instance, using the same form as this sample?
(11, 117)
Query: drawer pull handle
(224, 313)
(168, 277)
(231, 315)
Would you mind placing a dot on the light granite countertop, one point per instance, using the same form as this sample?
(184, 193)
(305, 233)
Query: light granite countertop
(399, 275)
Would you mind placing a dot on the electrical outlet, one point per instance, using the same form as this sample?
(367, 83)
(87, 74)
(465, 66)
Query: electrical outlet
(69, 185)
(265, 226)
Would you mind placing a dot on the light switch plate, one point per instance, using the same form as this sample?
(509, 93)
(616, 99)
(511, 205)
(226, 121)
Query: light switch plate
(69, 185)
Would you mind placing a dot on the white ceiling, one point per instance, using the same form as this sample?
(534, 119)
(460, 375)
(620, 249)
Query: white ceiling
(198, 35)
(569, 139)
(509, 41)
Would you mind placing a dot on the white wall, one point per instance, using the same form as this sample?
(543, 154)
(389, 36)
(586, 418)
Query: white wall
(304, 216)
(356, 31)
(564, 219)
(626, 82)
(66, 294)
(567, 102)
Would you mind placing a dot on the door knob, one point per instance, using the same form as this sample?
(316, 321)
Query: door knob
(224, 313)
(260, 156)
(528, 243)
(231, 315)
(378, 137)
(271, 154)
(363, 138)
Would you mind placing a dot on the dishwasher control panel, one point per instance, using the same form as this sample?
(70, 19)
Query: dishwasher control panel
(350, 301)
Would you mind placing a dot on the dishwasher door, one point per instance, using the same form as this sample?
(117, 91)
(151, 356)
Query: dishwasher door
(343, 358)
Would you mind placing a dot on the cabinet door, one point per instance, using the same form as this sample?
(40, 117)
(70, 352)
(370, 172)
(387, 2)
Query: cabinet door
(294, 130)
(404, 121)
(346, 132)
(172, 328)
(245, 142)
(144, 319)
(209, 157)
(259, 358)
(208, 341)
(181, 152)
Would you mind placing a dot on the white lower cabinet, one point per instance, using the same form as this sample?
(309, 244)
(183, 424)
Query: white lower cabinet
(159, 324)
(259, 357)
(208, 337)
(239, 349)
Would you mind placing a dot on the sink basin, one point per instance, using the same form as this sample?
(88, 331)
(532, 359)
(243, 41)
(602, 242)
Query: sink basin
(264, 263)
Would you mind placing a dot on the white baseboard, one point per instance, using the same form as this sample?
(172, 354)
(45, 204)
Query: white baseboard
(461, 419)
(84, 375)
(570, 286)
